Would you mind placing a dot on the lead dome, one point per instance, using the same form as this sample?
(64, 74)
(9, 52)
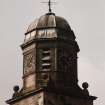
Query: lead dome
(50, 26)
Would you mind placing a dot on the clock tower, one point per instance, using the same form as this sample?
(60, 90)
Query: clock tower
(50, 75)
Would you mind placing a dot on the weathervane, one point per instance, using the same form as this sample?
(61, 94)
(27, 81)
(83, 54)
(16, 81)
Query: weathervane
(49, 5)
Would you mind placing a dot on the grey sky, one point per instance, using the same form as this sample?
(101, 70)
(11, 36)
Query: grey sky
(86, 18)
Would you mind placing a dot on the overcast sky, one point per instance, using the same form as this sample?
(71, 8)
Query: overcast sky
(86, 18)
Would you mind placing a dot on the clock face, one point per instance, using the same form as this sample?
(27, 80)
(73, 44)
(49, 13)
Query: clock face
(29, 59)
(64, 60)
(28, 62)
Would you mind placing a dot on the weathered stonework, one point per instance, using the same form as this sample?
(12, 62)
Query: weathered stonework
(50, 74)
(31, 100)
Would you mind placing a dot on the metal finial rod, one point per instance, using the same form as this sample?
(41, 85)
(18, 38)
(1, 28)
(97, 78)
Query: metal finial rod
(49, 4)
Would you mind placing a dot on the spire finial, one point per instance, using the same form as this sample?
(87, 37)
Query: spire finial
(49, 5)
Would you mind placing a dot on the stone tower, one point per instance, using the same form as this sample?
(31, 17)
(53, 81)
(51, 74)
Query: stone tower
(50, 75)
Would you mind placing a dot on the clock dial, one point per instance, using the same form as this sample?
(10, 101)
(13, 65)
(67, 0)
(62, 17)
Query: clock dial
(28, 62)
(64, 60)
(29, 59)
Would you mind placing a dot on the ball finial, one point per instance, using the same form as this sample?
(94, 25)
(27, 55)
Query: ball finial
(16, 88)
(85, 85)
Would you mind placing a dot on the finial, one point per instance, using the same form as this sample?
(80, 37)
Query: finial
(16, 88)
(49, 5)
(85, 86)
(16, 91)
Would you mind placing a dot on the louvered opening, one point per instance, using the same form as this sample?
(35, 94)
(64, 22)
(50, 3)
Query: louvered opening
(46, 59)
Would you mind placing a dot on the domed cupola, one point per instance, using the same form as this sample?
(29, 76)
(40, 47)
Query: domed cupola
(50, 65)
(49, 26)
